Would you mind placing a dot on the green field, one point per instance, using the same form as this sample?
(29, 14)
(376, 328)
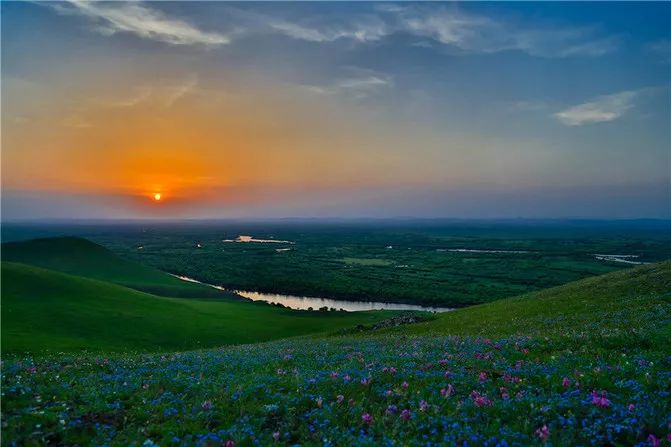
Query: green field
(582, 364)
(101, 304)
(398, 261)
(84, 258)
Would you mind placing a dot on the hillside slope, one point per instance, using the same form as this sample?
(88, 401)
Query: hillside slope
(82, 257)
(615, 303)
(47, 310)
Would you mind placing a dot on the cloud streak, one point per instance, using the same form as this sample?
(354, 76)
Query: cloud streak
(599, 110)
(142, 21)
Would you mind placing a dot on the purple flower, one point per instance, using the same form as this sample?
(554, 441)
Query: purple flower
(207, 405)
(423, 405)
(566, 382)
(276, 435)
(447, 392)
(340, 398)
(405, 385)
(391, 409)
(480, 400)
(482, 377)
(405, 415)
(367, 418)
(600, 400)
(543, 433)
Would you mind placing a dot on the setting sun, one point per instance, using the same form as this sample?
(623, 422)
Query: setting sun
(157, 196)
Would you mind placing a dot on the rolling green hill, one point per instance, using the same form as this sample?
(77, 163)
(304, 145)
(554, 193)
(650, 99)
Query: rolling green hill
(82, 257)
(43, 309)
(613, 304)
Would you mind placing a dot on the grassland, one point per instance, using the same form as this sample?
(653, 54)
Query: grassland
(583, 364)
(389, 261)
(82, 257)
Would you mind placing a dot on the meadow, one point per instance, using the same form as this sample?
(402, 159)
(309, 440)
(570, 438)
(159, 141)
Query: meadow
(69, 294)
(395, 261)
(592, 366)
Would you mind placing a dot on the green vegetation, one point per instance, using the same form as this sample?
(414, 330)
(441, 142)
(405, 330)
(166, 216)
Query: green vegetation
(400, 262)
(368, 261)
(81, 257)
(618, 304)
(43, 309)
(583, 364)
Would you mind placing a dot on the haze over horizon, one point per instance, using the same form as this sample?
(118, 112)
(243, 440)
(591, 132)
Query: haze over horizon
(231, 110)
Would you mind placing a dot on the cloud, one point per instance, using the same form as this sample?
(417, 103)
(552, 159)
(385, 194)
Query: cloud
(599, 110)
(112, 18)
(363, 31)
(473, 33)
(661, 49)
(140, 95)
(179, 91)
(360, 83)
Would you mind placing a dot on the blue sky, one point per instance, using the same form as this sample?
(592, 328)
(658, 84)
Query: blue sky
(336, 109)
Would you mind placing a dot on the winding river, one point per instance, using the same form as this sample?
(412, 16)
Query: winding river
(304, 302)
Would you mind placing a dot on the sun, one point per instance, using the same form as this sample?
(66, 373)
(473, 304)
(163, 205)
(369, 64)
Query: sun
(157, 196)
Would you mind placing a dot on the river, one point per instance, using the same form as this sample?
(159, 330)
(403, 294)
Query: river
(304, 302)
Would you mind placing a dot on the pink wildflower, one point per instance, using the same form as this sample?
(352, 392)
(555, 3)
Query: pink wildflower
(446, 392)
(482, 377)
(405, 415)
(229, 443)
(405, 385)
(423, 405)
(600, 399)
(480, 400)
(654, 440)
(367, 418)
(543, 433)
(631, 407)
(566, 382)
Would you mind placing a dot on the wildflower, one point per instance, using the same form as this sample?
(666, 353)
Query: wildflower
(229, 443)
(319, 401)
(391, 409)
(405, 385)
(207, 405)
(340, 398)
(654, 440)
(504, 393)
(447, 392)
(347, 378)
(482, 377)
(480, 400)
(367, 418)
(600, 399)
(566, 382)
(423, 405)
(543, 433)
(334, 374)
(631, 407)
(405, 415)
(365, 381)
(276, 435)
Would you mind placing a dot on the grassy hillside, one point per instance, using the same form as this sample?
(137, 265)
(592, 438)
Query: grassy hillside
(43, 309)
(81, 257)
(589, 366)
(619, 303)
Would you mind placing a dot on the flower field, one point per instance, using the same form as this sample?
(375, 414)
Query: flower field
(390, 390)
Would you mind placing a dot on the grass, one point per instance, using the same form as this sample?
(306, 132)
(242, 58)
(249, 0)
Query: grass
(368, 261)
(617, 304)
(546, 255)
(582, 364)
(47, 310)
(82, 257)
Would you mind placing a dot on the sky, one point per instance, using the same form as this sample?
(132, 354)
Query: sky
(234, 110)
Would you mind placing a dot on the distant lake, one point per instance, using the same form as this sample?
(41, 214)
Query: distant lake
(304, 302)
